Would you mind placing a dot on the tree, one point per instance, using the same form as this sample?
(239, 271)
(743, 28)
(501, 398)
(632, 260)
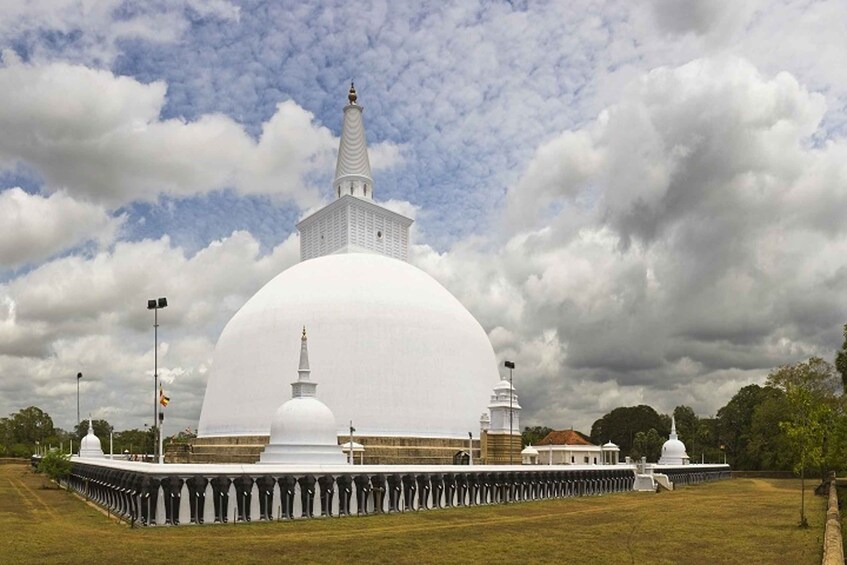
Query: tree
(621, 424)
(841, 360)
(734, 421)
(102, 429)
(647, 444)
(20, 431)
(532, 435)
(686, 422)
(55, 465)
(812, 393)
(767, 446)
(135, 441)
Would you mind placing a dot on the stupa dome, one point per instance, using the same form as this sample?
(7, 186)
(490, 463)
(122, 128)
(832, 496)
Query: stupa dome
(529, 450)
(303, 421)
(90, 444)
(303, 428)
(673, 450)
(396, 353)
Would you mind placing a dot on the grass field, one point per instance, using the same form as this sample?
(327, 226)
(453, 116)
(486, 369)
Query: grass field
(736, 521)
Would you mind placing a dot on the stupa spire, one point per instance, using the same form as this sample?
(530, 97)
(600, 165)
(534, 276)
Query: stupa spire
(354, 222)
(303, 386)
(353, 169)
(673, 427)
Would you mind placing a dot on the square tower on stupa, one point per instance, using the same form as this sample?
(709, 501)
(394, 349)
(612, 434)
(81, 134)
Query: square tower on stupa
(354, 223)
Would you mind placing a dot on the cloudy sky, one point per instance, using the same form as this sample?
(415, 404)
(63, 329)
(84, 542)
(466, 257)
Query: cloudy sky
(642, 202)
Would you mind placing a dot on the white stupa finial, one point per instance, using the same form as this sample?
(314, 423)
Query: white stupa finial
(353, 168)
(303, 368)
(90, 427)
(673, 427)
(304, 385)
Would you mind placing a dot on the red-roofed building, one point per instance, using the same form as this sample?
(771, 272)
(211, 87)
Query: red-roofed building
(570, 447)
(565, 437)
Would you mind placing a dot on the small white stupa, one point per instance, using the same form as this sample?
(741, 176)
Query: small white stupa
(303, 429)
(529, 456)
(89, 447)
(673, 450)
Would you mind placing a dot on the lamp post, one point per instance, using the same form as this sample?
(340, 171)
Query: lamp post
(155, 305)
(510, 365)
(78, 377)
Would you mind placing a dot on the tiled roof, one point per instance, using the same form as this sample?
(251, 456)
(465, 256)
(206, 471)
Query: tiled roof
(565, 437)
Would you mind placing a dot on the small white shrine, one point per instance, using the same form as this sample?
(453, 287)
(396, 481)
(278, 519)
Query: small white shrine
(89, 447)
(673, 450)
(303, 430)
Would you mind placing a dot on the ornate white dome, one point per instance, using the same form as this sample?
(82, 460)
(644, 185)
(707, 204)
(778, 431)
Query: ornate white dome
(396, 352)
(90, 444)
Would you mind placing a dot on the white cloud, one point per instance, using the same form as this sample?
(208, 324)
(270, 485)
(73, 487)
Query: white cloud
(99, 136)
(685, 236)
(35, 227)
(88, 314)
(92, 30)
(386, 155)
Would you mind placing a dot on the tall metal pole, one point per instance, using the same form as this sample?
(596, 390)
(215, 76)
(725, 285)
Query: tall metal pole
(511, 365)
(155, 375)
(78, 376)
(511, 412)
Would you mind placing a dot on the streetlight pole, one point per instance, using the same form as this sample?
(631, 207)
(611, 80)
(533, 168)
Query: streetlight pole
(155, 305)
(510, 365)
(78, 377)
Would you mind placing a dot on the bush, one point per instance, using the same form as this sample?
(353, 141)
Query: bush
(20, 450)
(55, 465)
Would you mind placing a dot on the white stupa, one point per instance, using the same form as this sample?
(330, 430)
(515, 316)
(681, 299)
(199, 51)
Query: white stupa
(400, 356)
(673, 450)
(303, 428)
(529, 455)
(89, 447)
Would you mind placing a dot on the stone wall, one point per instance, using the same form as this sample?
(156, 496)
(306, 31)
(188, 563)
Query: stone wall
(833, 547)
(152, 494)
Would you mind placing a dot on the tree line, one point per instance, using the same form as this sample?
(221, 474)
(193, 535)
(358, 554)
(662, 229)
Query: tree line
(795, 421)
(22, 433)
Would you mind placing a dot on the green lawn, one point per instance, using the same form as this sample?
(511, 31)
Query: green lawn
(736, 521)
